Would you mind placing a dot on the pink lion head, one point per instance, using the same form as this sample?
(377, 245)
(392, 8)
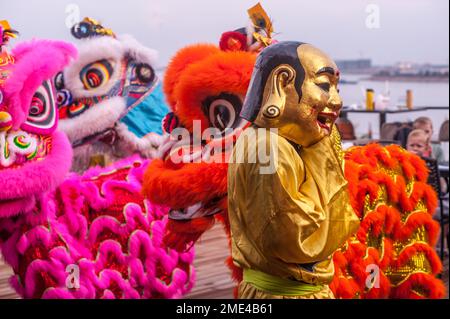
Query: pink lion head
(34, 156)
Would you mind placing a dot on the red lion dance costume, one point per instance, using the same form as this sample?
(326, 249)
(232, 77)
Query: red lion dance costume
(207, 84)
(65, 235)
(387, 185)
(389, 192)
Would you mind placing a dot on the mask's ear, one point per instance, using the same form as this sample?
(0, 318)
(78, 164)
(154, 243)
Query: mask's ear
(275, 91)
(35, 62)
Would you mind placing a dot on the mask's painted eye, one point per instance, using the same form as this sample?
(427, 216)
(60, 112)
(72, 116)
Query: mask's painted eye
(59, 81)
(223, 110)
(324, 86)
(96, 74)
(42, 114)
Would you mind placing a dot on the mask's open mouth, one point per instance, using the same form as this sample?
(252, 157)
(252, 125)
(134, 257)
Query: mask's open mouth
(34, 177)
(197, 210)
(78, 106)
(95, 121)
(20, 148)
(326, 120)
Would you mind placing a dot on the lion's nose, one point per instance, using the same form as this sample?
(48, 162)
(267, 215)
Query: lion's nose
(5, 121)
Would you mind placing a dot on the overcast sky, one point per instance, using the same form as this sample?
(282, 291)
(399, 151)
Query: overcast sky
(404, 30)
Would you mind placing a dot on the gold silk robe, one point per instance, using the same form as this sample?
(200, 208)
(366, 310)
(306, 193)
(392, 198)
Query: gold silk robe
(288, 223)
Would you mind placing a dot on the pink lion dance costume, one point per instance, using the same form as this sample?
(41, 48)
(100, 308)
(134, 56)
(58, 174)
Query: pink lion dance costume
(70, 236)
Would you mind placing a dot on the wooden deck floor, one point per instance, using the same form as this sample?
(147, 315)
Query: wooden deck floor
(213, 277)
(6, 292)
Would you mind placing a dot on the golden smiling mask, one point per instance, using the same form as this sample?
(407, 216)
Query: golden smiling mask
(294, 89)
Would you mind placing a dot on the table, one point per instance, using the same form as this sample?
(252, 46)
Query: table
(382, 114)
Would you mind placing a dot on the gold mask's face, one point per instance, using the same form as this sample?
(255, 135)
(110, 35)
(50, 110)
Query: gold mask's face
(308, 120)
(320, 103)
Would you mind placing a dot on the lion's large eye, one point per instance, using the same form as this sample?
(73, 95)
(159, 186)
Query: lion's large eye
(59, 81)
(223, 110)
(96, 74)
(81, 30)
(38, 105)
(41, 114)
(145, 73)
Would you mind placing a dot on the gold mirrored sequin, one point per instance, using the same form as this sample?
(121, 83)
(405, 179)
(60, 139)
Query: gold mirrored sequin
(376, 241)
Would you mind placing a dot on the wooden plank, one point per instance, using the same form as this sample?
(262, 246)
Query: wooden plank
(213, 276)
(6, 292)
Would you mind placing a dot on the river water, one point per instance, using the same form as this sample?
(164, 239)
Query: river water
(424, 93)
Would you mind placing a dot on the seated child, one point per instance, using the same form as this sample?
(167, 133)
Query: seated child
(435, 151)
(419, 144)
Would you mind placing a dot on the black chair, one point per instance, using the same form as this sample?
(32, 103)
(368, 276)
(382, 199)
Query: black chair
(384, 142)
(388, 130)
(434, 180)
(443, 132)
(346, 129)
(402, 134)
(362, 142)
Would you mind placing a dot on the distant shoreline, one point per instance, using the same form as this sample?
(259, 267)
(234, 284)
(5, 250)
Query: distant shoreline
(428, 79)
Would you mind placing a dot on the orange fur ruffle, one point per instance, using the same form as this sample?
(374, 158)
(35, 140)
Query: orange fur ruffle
(180, 61)
(184, 186)
(223, 72)
(372, 170)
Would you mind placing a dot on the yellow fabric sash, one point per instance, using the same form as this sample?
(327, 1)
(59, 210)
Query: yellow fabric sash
(279, 286)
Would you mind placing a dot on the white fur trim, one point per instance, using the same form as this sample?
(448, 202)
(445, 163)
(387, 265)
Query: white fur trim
(137, 51)
(105, 48)
(89, 51)
(96, 119)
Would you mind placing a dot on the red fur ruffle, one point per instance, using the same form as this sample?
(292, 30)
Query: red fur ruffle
(373, 170)
(185, 186)
(181, 235)
(182, 59)
(408, 252)
(223, 72)
(428, 284)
